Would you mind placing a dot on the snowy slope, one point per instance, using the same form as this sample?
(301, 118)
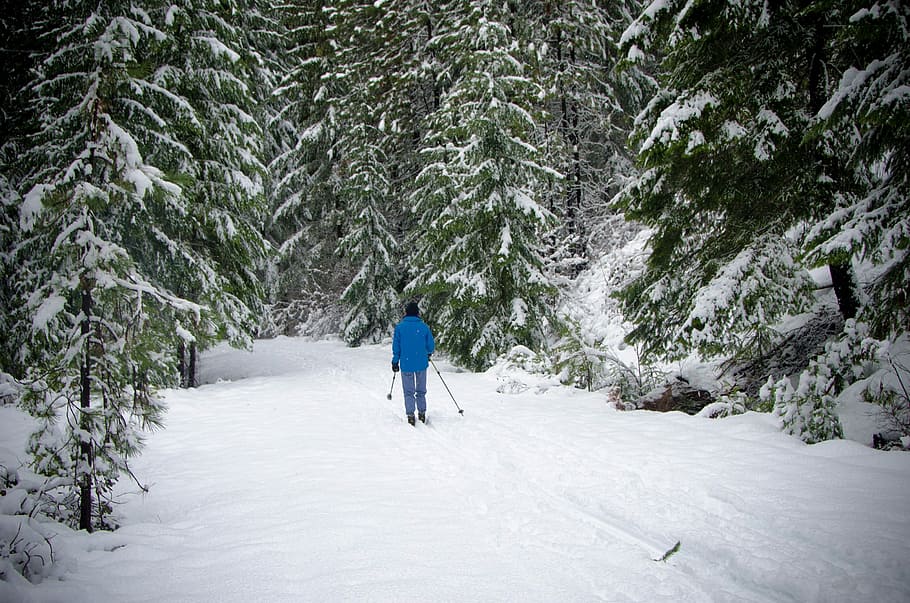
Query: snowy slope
(290, 477)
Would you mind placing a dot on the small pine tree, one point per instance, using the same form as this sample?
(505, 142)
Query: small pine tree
(809, 410)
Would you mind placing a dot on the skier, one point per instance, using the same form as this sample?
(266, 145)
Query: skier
(412, 345)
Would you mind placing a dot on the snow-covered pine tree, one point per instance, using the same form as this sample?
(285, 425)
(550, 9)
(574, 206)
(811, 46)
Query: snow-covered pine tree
(478, 255)
(866, 121)
(368, 249)
(727, 177)
(305, 222)
(209, 67)
(864, 126)
(19, 28)
(95, 326)
(9, 209)
(371, 297)
(575, 52)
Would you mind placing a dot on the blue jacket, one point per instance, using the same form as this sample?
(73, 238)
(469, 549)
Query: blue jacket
(412, 344)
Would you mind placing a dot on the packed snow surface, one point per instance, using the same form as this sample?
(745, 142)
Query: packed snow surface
(290, 477)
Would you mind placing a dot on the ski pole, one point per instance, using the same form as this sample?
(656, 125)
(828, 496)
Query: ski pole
(461, 412)
(389, 396)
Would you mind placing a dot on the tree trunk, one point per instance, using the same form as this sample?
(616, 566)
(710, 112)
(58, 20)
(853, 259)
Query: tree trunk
(568, 123)
(181, 362)
(186, 357)
(85, 383)
(191, 368)
(844, 289)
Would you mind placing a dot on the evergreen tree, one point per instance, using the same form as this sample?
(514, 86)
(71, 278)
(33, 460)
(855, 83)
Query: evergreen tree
(216, 249)
(93, 323)
(478, 248)
(727, 177)
(137, 233)
(9, 205)
(591, 102)
(753, 153)
(367, 113)
(306, 221)
(19, 28)
(371, 296)
(864, 125)
(866, 121)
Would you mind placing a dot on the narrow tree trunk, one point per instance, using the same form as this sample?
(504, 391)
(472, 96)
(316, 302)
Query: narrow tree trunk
(182, 363)
(186, 357)
(568, 123)
(844, 289)
(85, 382)
(191, 367)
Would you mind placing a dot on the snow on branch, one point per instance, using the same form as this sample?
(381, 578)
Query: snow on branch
(672, 119)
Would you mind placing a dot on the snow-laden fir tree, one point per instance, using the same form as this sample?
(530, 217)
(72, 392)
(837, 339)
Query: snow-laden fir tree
(95, 326)
(573, 47)
(215, 248)
(305, 221)
(137, 230)
(866, 120)
(865, 124)
(371, 298)
(369, 115)
(478, 259)
(757, 162)
(20, 25)
(9, 210)
(728, 182)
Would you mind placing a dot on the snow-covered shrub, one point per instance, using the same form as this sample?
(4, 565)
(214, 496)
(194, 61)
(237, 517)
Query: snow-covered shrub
(726, 405)
(594, 366)
(527, 360)
(580, 362)
(24, 549)
(889, 388)
(522, 369)
(808, 410)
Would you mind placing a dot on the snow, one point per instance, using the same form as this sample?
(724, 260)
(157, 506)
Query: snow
(32, 206)
(218, 48)
(673, 119)
(50, 307)
(289, 476)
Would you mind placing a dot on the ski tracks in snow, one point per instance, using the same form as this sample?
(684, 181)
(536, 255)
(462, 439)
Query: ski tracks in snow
(298, 480)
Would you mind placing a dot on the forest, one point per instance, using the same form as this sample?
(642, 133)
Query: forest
(178, 173)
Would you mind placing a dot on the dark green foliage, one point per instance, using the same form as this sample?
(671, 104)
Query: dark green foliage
(728, 175)
(478, 247)
(134, 230)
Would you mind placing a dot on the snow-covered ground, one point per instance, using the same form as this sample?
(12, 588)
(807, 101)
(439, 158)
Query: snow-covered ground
(291, 477)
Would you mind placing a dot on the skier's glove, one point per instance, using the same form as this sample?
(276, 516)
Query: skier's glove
(394, 367)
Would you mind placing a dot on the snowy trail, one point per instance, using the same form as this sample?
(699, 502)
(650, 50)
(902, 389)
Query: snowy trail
(298, 481)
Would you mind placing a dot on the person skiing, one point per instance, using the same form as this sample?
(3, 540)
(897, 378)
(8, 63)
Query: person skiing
(412, 345)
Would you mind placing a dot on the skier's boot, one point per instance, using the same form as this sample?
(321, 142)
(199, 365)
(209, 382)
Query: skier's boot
(411, 420)
(422, 417)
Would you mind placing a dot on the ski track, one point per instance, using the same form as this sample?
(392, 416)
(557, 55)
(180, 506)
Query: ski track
(317, 490)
